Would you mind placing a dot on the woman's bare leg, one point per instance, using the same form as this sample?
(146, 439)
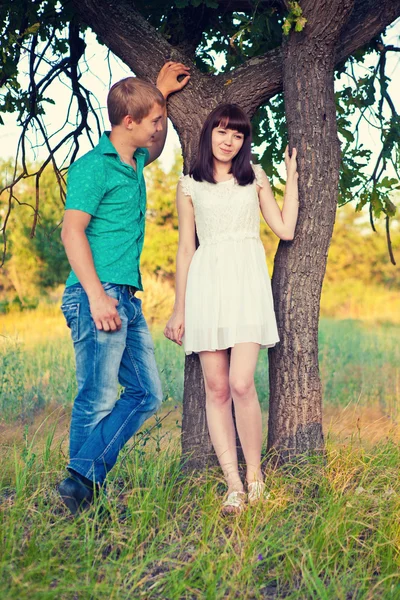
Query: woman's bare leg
(215, 366)
(247, 408)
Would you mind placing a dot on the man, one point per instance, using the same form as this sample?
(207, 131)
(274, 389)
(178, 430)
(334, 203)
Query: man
(103, 233)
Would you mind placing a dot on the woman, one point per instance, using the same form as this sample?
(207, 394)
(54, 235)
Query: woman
(223, 291)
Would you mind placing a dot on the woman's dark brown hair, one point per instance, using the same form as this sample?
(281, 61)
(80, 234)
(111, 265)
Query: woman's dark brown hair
(228, 116)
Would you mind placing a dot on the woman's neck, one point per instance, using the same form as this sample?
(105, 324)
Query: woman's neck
(222, 171)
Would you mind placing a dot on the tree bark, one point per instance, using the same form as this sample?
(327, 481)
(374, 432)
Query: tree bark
(295, 410)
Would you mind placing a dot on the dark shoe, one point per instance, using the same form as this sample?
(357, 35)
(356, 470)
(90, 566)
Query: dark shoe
(75, 495)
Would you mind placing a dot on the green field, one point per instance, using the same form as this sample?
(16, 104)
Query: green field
(329, 529)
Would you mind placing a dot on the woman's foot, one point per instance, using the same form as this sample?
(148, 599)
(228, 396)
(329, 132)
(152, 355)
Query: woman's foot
(234, 504)
(256, 492)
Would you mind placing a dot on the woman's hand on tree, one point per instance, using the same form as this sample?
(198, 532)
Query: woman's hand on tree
(291, 163)
(175, 328)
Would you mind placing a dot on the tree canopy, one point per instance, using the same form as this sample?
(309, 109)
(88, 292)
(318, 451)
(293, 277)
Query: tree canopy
(46, 40)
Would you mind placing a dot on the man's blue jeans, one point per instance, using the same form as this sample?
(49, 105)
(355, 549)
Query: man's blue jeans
(101, 422)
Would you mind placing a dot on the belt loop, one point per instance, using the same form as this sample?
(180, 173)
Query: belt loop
(132, 290)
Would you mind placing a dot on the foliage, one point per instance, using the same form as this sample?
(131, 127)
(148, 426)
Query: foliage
(33, 264)
(358, 253)
(365, 97)
(21, 24)
(294, 19)
(161, 242)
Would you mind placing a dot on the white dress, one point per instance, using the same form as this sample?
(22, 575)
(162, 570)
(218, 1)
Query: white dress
(228, 293)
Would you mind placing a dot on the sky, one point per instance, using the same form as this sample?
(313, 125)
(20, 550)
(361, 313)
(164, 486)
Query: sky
(98, 80)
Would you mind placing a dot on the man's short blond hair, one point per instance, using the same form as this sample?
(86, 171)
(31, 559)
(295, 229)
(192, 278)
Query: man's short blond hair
(132, 96)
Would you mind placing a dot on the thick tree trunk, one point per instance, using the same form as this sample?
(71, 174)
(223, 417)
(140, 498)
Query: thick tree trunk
(295, 413)
(197, 450)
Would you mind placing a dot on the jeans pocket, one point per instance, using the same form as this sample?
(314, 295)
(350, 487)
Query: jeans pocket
(71, 314)
(136, 305)
(112, 289)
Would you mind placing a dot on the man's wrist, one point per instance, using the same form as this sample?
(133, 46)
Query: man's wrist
(94, 293)
(163, 91)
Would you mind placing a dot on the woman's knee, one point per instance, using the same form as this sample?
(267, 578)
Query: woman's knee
(241, 387)
(218, 392)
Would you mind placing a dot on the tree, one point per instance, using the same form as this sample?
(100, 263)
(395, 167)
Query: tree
(261, 62)
(33, 265)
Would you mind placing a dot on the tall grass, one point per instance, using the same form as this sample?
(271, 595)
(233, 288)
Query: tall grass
(328, 531)
(359, 363)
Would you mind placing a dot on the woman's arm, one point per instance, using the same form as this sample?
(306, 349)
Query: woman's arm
(282, 222)
(175, 327)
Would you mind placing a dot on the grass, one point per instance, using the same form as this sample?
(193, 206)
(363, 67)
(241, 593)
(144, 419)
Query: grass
(329, 530)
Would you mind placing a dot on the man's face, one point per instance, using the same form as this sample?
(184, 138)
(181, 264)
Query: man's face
(143, 133)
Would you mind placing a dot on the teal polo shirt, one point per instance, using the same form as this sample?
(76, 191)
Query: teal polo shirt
(114, 193)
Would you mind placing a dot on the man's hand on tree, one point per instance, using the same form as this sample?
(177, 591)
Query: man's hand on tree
(104, 313)
(167, 80)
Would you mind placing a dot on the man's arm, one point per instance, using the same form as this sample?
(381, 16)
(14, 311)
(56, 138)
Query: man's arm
(167, 83)
(73, 235)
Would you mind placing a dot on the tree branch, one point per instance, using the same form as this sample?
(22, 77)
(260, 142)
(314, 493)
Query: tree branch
(128, 35)
(262, 77)
(368, 19)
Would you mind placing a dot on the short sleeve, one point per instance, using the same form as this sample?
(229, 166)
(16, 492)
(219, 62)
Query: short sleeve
(85, 184)
(261, 178)
(186, 184)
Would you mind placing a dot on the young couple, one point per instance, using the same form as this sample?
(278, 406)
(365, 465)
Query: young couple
(223, 291)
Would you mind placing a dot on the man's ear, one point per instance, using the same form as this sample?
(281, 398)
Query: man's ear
(128, 122)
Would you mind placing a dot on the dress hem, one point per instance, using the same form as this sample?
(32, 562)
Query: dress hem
(262, 347)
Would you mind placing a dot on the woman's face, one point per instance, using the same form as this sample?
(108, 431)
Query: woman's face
(226, 143)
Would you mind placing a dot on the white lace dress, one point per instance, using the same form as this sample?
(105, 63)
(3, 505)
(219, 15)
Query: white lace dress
(228, 293)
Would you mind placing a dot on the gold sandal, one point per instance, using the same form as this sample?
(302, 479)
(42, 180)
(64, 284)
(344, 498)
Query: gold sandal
(234, 504)
(256, 492)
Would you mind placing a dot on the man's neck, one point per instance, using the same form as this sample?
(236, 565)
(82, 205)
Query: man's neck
(125, 148)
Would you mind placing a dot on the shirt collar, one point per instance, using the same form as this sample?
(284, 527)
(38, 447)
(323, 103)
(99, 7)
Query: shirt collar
(106, 147)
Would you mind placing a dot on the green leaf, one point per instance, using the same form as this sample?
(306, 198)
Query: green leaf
(388, 182)
(286, 27)
(347, 134)
(390, 208)
(300, 24)
(31, 30)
